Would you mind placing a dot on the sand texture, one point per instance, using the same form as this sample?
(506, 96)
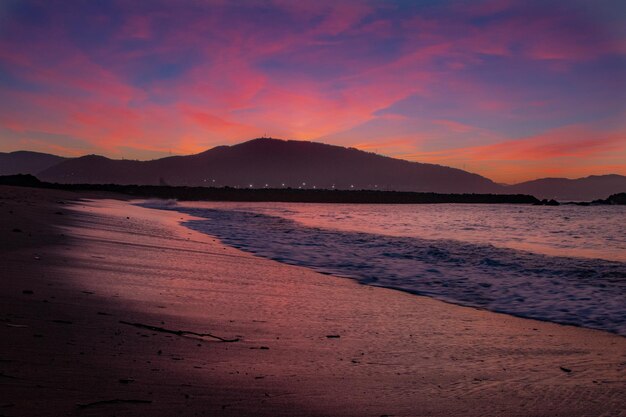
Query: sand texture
(100, 300)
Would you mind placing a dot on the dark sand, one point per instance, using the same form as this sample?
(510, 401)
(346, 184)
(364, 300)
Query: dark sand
(69, 279)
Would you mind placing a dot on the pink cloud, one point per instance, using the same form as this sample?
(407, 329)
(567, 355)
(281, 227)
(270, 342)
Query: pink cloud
(565, 151)
(67, 70)
(218, 125)
(313, 74)
(568, 141)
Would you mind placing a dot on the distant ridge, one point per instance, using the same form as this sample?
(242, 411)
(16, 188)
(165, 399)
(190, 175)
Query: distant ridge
(26, 162)
(275, 163)
(582, 189)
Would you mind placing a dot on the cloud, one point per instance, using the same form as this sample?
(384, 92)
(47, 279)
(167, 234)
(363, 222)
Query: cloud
(566, 151)
(446, 81)
(569, 141)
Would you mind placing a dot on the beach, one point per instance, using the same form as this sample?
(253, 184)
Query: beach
(108, 308)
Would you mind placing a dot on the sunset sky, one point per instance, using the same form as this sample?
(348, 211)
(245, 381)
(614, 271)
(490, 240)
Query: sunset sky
(512, 90)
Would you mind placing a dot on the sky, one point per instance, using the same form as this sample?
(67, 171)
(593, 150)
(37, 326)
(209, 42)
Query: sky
(512, 90)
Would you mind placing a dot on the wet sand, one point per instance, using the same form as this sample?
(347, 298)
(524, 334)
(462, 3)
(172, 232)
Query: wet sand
(74, 283)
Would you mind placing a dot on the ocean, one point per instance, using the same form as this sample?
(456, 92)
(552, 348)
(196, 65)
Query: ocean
(564, 264)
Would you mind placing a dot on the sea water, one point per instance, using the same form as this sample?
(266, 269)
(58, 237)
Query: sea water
(564, 264)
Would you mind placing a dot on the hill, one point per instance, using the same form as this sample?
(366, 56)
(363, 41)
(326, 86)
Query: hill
(274, 163)
(26, 162)
(581, 189)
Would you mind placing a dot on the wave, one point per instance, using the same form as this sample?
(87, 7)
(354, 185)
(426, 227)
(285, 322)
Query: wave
(568, 290)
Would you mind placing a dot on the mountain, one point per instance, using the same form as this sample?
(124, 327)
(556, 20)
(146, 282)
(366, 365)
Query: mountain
(285, 163)
(25, 162)
(274, 163)
(581, 189)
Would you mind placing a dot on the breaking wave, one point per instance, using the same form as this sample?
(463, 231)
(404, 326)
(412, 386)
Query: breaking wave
(577, 291)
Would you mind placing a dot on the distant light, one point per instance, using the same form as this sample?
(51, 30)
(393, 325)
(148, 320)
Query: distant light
(351, 186)
(250, 185)
(266, 185)
(314, 187)
(283, 184)
(304, 183)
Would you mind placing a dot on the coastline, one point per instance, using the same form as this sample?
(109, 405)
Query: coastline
(105, 261)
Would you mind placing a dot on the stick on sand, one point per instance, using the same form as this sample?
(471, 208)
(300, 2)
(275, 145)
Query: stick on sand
(182, 333)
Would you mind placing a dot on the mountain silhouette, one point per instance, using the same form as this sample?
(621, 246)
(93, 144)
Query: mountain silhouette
(581, 189)
(26, 162)
(274, 163)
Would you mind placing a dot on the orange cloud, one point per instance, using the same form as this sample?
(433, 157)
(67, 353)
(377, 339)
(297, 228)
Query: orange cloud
(394, 77)
(570, 149)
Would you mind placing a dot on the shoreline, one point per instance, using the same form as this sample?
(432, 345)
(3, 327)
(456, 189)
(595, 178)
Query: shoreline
(471, 271)
(106, 261)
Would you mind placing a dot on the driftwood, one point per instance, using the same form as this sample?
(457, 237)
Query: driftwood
(182, 333)
(115, 401)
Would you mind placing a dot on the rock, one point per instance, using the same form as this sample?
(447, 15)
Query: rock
(546, 202)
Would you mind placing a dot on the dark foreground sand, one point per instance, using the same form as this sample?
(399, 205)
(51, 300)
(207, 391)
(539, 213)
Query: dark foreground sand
(69, 279)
